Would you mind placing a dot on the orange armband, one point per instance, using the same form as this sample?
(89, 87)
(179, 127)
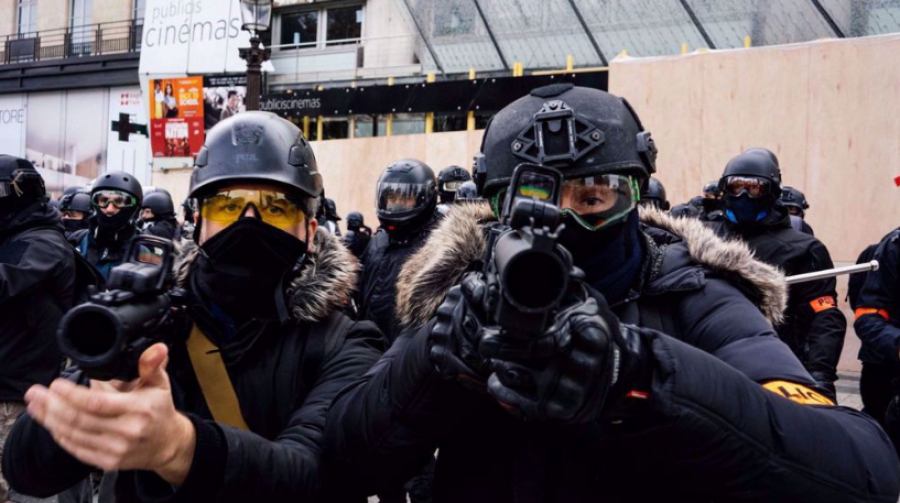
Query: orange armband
(862, 311)
(823, 303)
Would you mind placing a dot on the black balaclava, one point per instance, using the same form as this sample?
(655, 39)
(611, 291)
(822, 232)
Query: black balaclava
(244, 268)
(116, 228)
(72, 225)
(610, 258)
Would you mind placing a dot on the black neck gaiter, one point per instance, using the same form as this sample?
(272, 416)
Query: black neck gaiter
(242, 269)
(610, 258)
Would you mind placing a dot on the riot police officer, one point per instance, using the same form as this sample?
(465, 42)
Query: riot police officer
(613, 411)
(877, 304)
(358, 234)
(158, 214)
(468, 191)
(449, 180)
(76, 211)
(116, 199)
(653, 194)
(795, 202)
(706, 207)
(814, 327)
(37, 286)
(237, 413)
(406, 198)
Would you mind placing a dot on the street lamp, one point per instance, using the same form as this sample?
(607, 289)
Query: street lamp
(256, 16)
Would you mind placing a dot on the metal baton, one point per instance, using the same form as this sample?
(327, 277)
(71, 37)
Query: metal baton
(830, 273)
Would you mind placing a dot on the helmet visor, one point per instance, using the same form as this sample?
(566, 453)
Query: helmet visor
(399, 198)
(753, 186)
(452, 186)
(599, 201)
(119, 199)
(274, 207)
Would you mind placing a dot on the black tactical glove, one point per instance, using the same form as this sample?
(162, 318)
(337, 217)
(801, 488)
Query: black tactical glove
(573, 385)
(457, 332)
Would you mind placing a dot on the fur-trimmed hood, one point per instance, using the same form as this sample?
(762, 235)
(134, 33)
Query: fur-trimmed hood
(460, 241)
(323, 285)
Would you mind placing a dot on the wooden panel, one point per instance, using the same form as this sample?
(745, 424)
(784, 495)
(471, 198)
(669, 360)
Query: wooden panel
(828, 109)
(351, 168)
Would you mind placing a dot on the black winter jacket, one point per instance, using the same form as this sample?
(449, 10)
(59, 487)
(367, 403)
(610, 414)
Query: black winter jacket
(102, 249)
(165, 228)
(814, 327)
(711, 431)
(285, 380)
(37, 287)
(382, 261)
(878, 307)
(356, 240)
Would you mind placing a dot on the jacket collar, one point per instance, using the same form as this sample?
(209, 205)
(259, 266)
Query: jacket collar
(459, 243)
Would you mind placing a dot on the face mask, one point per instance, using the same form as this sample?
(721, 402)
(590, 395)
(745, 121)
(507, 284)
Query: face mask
(242, 266)
(75, 225)
(117, 221)
(745, 210)
(610, 257)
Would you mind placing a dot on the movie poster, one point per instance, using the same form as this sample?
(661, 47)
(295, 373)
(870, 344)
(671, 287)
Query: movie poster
(223, 97)
(176, 111)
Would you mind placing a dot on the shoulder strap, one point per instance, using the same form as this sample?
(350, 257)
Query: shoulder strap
(324, 337)
(218, 391)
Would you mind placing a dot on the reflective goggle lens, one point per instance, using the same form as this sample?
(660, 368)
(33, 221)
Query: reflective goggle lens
(755, 187)
(452, 186)
(119, 199)
(599, 201)
(274, 208)
(396, 198)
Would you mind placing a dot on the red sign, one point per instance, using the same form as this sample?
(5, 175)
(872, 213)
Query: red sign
(176, 137)
(176, 111)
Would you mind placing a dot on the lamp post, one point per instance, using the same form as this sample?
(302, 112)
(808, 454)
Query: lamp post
(256, 16)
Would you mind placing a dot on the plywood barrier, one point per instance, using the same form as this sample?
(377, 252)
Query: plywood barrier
(829, 109)
(350, 168)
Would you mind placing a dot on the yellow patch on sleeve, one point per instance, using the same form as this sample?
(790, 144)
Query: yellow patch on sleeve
(797, 392)
(823, 303)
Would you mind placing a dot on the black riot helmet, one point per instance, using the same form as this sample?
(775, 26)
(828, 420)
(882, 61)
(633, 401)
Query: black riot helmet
(578, 130)
(80, 201)
(256, 147)
(121, 181)
(160, 203)
(654, 194)
(751, 186)
(20, 186)
(406, 196)
(711, 190)
(594, 138)
(794, 201)
(121, 189)
(331, 210)
(765, 152)
(468, 191)
(355, 220)
(65, 200)
(448, 182)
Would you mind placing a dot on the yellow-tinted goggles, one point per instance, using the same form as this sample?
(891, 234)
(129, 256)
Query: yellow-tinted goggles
(273, 207)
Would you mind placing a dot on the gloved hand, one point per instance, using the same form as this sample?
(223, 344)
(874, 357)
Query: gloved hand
(456, 334)
(573, 385)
